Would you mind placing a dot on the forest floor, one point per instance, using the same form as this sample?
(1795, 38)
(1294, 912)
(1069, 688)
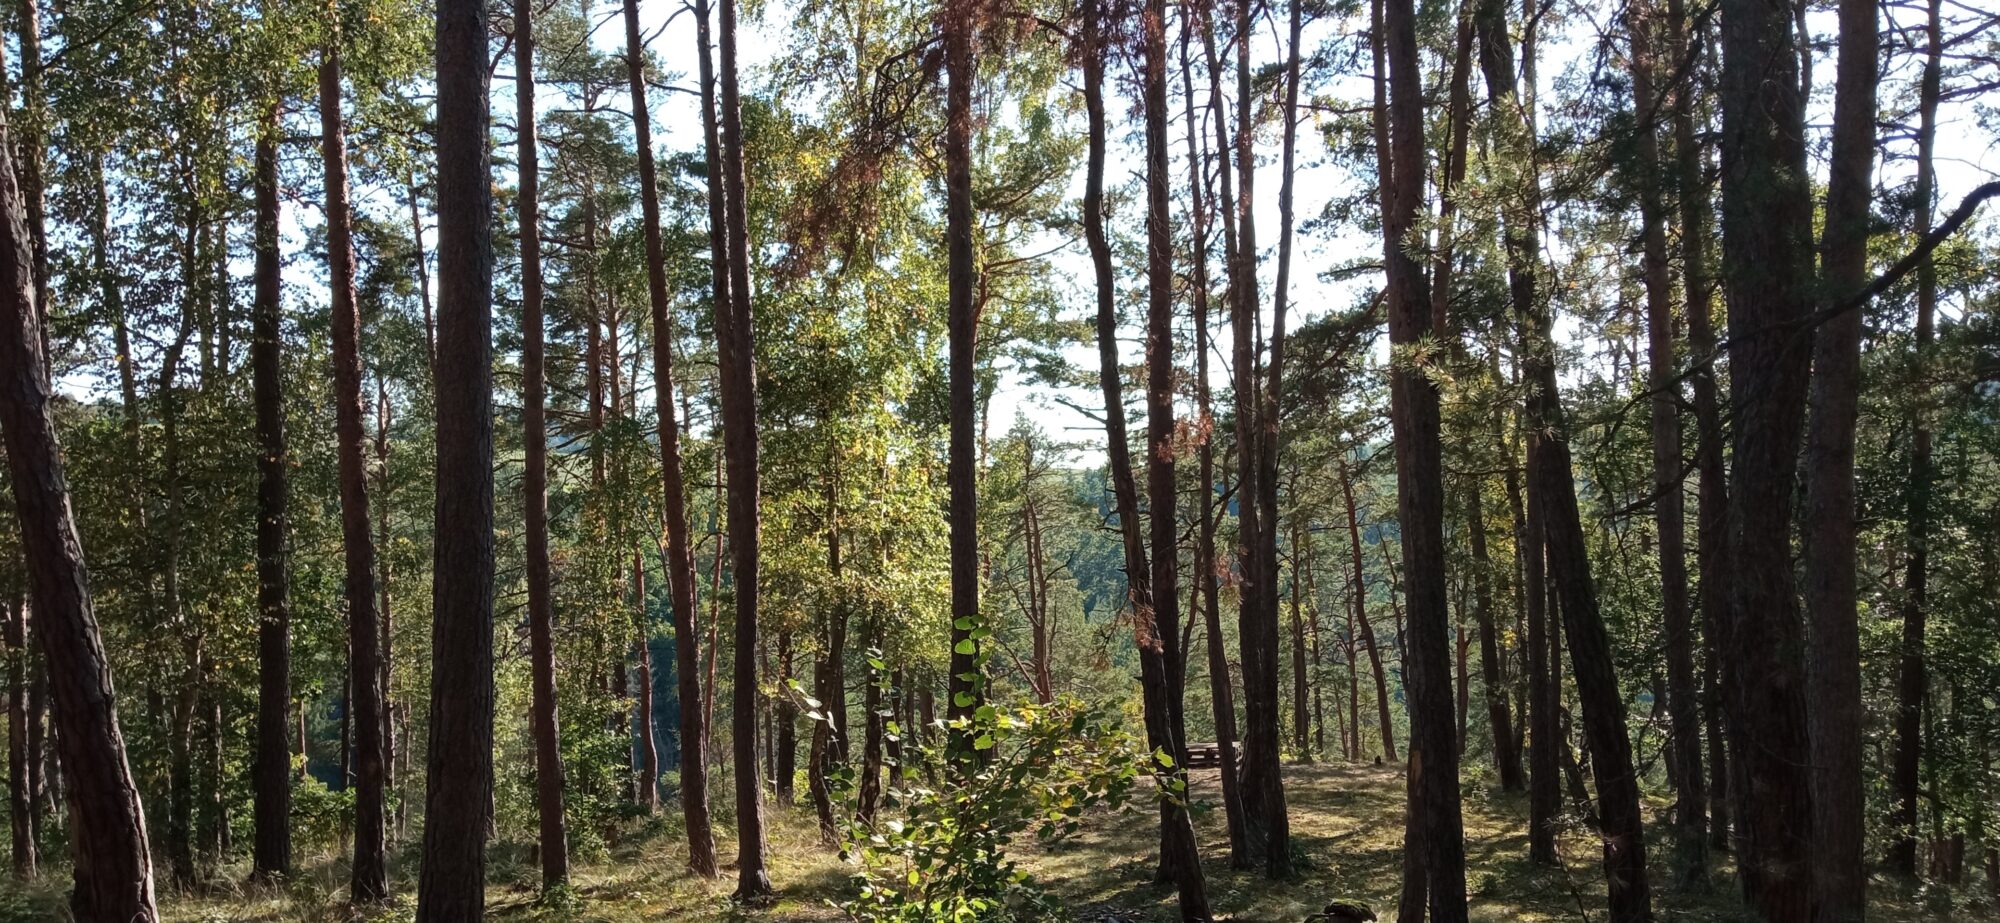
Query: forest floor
(1346, 821)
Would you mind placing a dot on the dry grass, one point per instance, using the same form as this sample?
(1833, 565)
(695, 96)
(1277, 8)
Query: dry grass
(1346, 823)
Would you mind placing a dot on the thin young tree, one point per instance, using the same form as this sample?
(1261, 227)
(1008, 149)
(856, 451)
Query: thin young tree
(368, 879)
(1207, 584)
(21, 824)
(1712, 493)
(1912, 678)
(547, 724)
(1689, 819)
(459, 774)
(114, 868)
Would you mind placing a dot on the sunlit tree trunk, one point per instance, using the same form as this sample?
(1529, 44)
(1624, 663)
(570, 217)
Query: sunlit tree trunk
(113, 871)
(459, 774)
(736, 338)
(369, 876)
(547, 724)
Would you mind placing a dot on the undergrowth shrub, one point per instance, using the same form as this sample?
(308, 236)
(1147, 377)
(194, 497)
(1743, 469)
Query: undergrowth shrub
(942, 852)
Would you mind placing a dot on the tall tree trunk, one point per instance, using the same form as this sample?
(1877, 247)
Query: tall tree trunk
(965, 688)
(1833, 665)
(1911, 679)
(739, 425)
(1207, 582)
(368, 881)
(460, 765)
(113, 867)
(688, 684)
(1690, 818)
(1436, 823)
(1712, 498)
(1269, 417)
(872, 730)
(1553, 491)
(1266, 828)
(553, 836)
(1768, 275)
(271, 849)
(1180, 860)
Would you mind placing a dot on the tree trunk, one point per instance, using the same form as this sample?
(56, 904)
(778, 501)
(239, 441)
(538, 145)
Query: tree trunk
(368, 881)
(965, 688)
(1506, 759)
(1911, 676)
(1552, 489)
(1180, 860)
(1382, 716)
(1435, 820)
(1265, 825)
(271, 850)
(737, 339)
(1689, 818)
(20, 797)
(31, 147)
(1768, 274)
(113, 868)
(872, 731)
(688, 684)
(1833, 657)
(1301, 716)
(1544, 683)
(647, 742)
(459, 773)
(787, 769)
(1206, 582)
(1712, 503)
(553, 837)
(394, 759)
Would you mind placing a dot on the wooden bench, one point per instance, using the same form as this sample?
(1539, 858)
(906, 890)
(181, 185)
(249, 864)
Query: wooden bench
(1204, 756)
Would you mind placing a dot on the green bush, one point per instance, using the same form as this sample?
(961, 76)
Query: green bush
(942, 853)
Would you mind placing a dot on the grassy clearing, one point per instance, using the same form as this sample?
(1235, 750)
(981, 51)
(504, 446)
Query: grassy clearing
(1347, 821)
